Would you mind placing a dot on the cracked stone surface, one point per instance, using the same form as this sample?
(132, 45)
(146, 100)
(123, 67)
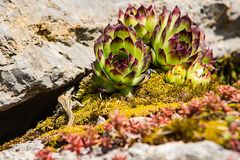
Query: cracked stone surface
(46, 44)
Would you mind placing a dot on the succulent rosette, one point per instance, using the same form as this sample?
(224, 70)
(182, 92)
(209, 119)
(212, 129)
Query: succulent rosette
(142, 19)
(177, 75)
(199, 74)
(121, 59)
(176, 41)
(179, 48)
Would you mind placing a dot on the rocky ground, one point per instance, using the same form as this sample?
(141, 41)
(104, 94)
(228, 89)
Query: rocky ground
(170, 151)
(46, 46)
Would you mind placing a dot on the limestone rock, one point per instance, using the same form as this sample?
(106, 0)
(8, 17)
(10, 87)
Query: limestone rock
(169, 151)
(25, 151)
(46, 44)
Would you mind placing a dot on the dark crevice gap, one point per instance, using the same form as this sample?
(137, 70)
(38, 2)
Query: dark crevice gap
(20, 118)
(224, 24)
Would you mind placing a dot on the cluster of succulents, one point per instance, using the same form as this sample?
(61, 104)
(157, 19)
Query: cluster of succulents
(169, 41)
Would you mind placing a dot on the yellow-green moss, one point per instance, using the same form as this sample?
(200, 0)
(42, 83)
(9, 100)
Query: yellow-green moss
(148, 98)
(78, 129)
(189, 130)
(213, 130)
(178, 129)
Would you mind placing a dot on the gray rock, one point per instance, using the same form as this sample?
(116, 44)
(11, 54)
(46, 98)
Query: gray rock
(182, 151)
(25, 151)
(170, 151)
(47, 44)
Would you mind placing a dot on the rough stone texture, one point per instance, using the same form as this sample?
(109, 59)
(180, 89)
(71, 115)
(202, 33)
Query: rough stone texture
(25, 151)
(205, 150)
(172, 151)
(46, 44)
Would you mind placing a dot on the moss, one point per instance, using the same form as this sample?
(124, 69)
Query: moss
(148, 98)
(65, 130)
(178, 129)
(54, 138)
(189, 130)
(213, 130)
(53, 141)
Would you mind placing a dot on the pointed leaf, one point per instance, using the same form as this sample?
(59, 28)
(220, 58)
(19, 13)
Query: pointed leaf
(107, 66)
(121, 31)
(115, 75)
(161, 57)
(151, 21)
(141, 30)
(142, 10)
(130, 20)
(141, 19)
(109, 30)
(116, 44)
(98, 44)
(132, 80)
(208, 56)
(121, 16)
(183, 23)
(106, 46)
(97, 69)
(131, 10)
(174, 58)
(139, 50)
(129, 46)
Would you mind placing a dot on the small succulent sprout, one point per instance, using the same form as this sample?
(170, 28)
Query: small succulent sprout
(177, 75)
(175, 40)
(143, 20)
(199, 74)
(121, 59)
